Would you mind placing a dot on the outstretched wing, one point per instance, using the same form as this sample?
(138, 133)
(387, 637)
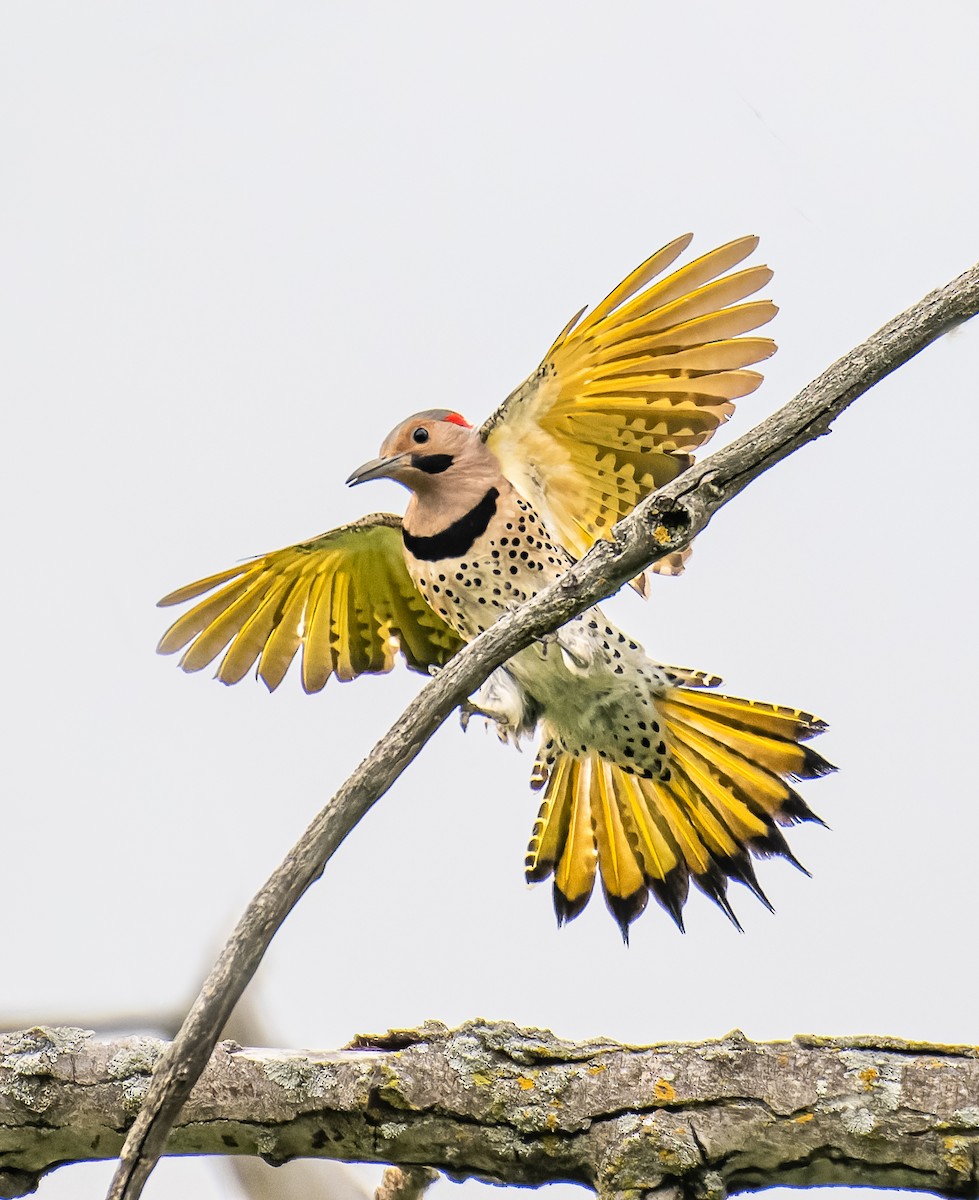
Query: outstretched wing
(345, 598)
(624, 397)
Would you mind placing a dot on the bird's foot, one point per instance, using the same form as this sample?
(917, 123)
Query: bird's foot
(468, 710)
(505, 730)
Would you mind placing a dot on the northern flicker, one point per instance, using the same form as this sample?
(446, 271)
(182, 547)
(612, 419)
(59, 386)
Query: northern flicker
(650, 777)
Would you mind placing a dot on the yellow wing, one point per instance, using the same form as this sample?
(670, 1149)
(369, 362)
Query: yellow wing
(624, 396)
(345, 598)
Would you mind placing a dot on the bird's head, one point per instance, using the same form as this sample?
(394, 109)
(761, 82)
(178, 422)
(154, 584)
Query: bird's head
(443, 462)
(432, 451)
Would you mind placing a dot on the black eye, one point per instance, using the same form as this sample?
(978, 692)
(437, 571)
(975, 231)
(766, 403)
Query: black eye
(420, 434)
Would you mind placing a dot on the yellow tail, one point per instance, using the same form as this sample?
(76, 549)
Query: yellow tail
(721, 798)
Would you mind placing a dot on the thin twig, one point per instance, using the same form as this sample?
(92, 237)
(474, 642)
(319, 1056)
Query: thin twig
(663, 523)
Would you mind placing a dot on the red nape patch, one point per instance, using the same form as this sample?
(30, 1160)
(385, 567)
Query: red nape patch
(456, 419)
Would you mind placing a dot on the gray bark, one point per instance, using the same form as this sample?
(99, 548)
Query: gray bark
(662, 524)
(495, 1102)
(249, 1178)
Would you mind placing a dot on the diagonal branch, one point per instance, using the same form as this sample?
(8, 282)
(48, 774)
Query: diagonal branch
(695, 1121)
(663, 523)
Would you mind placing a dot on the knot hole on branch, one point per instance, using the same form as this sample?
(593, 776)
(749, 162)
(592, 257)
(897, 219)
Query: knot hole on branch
(669, 526)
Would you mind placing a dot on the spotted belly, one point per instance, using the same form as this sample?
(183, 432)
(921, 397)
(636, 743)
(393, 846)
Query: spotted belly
(597, 692)
(502, 568)
(591, 685)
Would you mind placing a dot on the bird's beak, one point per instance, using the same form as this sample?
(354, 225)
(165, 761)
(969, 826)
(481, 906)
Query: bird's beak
(377, 468)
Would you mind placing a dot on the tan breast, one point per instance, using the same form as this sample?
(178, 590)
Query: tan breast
(512, 561)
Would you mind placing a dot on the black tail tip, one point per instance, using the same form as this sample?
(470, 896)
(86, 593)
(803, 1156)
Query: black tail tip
(795, 810)
(625, 909)
(774, 844)
(739, 867)
(814, 766)
(671, 893)
(566, 909)
(812, 727)
(537, 872)
(713, 883)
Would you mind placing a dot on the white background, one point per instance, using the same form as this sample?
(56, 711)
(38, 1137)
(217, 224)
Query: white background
(239, 243)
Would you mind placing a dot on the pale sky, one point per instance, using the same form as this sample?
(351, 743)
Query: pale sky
(238, 243)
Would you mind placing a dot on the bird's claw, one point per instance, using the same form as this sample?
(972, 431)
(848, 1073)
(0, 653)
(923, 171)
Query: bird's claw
(504, 730)
(468, 710)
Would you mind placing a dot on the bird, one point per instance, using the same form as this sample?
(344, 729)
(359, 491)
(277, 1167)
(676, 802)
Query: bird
(650, 778)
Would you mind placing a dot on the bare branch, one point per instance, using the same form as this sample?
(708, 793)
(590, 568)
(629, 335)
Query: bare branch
(520, 1106)
(304, 1180)
(665, 522)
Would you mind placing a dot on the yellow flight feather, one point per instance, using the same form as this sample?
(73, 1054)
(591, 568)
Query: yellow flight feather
(658, 852)
(782, 757)
(575, 874)
(627, 392)
(343, 600)
(655, 265)
(720, 796)
(622, 877)
(551, 827)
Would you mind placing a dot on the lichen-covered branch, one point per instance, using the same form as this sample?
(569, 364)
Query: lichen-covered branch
(520, 1106)
(664, 523)
(306, 1179)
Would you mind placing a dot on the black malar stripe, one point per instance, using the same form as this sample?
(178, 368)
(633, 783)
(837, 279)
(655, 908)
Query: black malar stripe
(457, 538)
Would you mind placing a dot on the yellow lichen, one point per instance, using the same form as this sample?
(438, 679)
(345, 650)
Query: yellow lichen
(664, 1091)
(802, 1118)
(525, 1083)
(957, 1157)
